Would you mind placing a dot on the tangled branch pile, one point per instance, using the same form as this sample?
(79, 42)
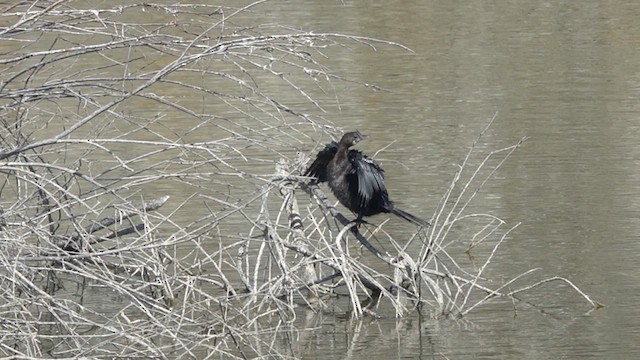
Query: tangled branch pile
(107, 113)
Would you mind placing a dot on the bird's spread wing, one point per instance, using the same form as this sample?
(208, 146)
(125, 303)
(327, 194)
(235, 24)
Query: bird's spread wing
(318, 168)
(370, 177)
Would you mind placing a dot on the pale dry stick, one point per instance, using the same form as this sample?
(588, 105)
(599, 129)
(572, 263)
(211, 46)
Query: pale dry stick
(17, 167)
(278, 254)
(257, 266)
(594, 304)
(510, 150)
(57, 306)
(271, 101)
(264, 245)
(435, 290)
(160, 280)
(448, 222)
(215, 25)
(493, 228)
(313, 73)
(346, 274)
(236, 208)
(96, 143)
(68, 12)
(68, 53)
(442, 276)
(375, 278)
(228, 287)
(261, 41)
(166, 146)
(440, 251)
(197, 297)
(456, 280)
(312, 302)
(368, 41)
(486, 263)
(260, 311)
(453, 294)
(368, 280)
(23, 148)
(187, 232)
(382, 149)
(168, 331)
(138, 181)
(127, 212)
(273, 241)
(18, 320)
(202, 117)
(331, 259)
(286, 189)
(324, 238)
(497, 292)
(111, 46)
(171, 67)
(32, 17)
(290, 205)
(404, 280)
(113, 281)
(211, 339)
(81, 15)
(241, 263)
(260, 346)
(407, 269)
(88, 255)
(454, 181)
(266, 100)
(237, 81)
(285, 79)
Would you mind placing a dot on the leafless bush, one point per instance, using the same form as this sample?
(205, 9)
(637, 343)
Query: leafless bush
(97, 261)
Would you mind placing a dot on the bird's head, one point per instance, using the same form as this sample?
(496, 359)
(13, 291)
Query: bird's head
(351, 138)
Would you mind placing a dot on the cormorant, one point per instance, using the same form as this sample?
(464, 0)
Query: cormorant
(356, 180)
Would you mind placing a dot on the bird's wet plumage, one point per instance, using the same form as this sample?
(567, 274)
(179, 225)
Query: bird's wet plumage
(366, 179)
(355, 179)
(318, 168)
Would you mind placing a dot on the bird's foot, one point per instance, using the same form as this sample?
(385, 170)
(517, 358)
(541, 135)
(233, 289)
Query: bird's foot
(358, 222)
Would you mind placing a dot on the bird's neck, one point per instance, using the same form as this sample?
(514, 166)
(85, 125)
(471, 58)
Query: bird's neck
(342, 152)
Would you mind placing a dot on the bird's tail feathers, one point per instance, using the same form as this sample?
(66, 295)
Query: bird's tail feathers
(405, 215)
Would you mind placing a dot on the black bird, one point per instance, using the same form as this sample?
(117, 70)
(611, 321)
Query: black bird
(356, 180)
